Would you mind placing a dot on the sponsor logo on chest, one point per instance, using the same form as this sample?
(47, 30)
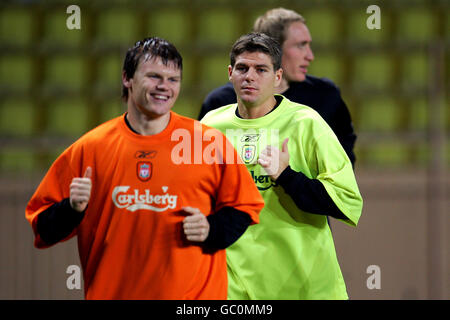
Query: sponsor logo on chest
(133, 200)
(263, 182)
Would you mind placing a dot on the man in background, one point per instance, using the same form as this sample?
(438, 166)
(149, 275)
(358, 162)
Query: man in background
(290, 30)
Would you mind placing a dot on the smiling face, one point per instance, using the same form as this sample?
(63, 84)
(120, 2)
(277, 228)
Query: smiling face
(297, 53)
(154, 87)
(254, 78)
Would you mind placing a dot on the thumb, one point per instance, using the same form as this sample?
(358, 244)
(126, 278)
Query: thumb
(88, 173)
(190, 210)
(285, 145)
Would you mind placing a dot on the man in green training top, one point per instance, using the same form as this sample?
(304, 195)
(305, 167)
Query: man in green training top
(303, 174)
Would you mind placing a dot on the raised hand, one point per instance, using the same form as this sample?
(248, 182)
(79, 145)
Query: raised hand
(80, 191)
(273, 160)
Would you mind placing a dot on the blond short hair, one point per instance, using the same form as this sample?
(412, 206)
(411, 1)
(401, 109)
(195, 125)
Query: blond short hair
(275, 23)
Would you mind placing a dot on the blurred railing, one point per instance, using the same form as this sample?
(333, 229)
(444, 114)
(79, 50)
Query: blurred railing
(50, 74)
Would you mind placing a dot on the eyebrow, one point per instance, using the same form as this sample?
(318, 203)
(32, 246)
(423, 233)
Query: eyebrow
(257, 66)
(155, 73)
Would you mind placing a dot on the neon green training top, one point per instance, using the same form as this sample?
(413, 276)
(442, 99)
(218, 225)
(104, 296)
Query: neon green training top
(290, 254)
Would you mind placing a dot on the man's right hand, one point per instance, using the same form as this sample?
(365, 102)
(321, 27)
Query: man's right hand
(80, 191)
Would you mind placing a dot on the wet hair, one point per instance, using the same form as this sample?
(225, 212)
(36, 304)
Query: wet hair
(149, 48)
(275, 22)
(257, 42)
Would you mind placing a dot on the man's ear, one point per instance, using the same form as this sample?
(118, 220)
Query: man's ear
(126, 82)
(230, 71)
(278, 77)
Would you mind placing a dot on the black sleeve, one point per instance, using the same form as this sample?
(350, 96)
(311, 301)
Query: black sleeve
(58, 221)
(217, 98)
(206, 107)
(342, 126)
(308, 194)
(225, 227)
(345, 132)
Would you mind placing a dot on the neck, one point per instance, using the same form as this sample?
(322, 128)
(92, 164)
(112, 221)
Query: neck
(284, 85)
(248, 111)
(145, 125)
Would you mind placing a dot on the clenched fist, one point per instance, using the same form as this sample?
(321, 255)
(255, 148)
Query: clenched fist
(195, 226)
(80, 191)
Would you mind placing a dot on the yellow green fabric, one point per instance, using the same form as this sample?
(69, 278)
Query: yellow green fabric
(290, 254)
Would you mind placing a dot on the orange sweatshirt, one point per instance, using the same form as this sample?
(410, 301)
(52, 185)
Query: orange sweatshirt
(131, 242)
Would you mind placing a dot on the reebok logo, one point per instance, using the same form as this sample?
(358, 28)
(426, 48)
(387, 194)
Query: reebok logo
(136, 200)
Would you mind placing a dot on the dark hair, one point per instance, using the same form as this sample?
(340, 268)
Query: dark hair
(275, 22)
(149, 48)
(257, 42)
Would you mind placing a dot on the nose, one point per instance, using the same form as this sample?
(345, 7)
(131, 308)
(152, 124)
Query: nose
(250, 75)
(309, 54)
(163, 84)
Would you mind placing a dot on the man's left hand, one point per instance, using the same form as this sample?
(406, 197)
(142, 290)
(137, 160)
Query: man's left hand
(195, 226)
(275, 161)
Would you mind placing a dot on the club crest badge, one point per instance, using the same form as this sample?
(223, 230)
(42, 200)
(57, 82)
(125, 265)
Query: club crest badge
(248, 153)
(144, 170)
